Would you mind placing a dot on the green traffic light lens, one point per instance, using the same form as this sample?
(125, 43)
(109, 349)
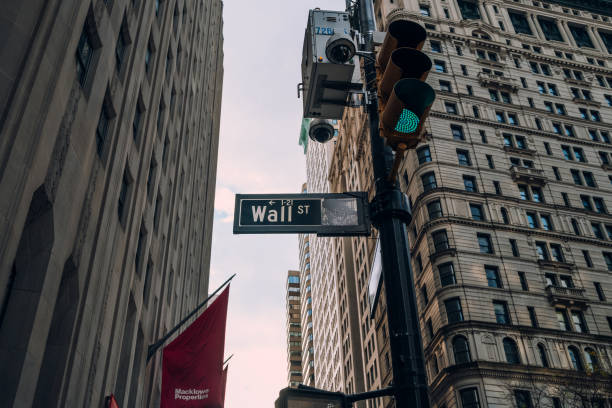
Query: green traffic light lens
(407, 122)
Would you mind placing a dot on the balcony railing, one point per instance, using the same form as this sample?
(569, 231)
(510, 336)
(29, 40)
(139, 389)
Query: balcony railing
(442, 252)
(548, 263)
(528, 175)
(566, 296)
(583, 101)
(580, 82)
(512, 149)
(502, 82)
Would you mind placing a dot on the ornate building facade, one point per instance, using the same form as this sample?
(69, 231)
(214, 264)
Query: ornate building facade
(108, 143)
(511, 237)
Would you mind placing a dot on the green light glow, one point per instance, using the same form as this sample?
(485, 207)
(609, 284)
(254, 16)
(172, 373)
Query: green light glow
(407, 122)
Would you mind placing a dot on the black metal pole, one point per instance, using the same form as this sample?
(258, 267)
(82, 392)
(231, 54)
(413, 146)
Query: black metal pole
(389, 214)
(155, 346)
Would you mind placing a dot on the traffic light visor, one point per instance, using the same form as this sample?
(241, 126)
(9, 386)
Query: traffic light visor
(405, 63)
(401, 33)
(407, 107)
(416, 96)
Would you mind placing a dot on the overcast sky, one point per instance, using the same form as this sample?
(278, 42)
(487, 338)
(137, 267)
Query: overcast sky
(258, 153)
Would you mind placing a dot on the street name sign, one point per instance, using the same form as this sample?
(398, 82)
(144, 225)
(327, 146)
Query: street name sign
(339, 214)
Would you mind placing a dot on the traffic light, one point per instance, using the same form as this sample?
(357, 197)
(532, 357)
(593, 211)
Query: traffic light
(404, 97)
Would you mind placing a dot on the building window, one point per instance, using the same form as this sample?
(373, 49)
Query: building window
(469, 182)
(532, 316)
(424, 10)
(461, 350)
(453, 310)
(439, 66)
(137, 120)
(424, 154)
(578, 321)
(587, 258)
(84, 53)
(440, 240)
(514, 248)
(523, 399)
(600, 292)
(501, 312)
(497, 187)
(424, 294)
(447, 274)
(520, 23)
(140, 247)
(120, 48)
(501, 118)
(484, 243)
(469, 398)
(597, 231)
(469, 10)
(451, 108)
(434, 209)
(556, 253)
(574, 357)
(429, 181)
(126, 181)
(592, 364)
(550, 29)
(445, 86)
(493, 279)
(457, 132)
(523, 280)
(600, 207)
(562, 319)
(102, 128)
(463, 156)
(511, 351)
(435, 46)
(148, 56)
(580, 36)
(477, 213)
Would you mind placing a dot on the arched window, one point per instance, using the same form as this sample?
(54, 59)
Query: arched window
(590, 358)
(511, 350)
(504, 214)
(461, 349)
(575, 358)
(543, 357)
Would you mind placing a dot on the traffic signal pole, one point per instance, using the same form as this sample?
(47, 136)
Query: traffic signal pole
(390, 215)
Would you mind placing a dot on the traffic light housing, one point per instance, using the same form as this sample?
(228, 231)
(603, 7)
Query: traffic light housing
(404, 97)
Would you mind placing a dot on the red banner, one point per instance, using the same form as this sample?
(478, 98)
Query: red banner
(192, 365)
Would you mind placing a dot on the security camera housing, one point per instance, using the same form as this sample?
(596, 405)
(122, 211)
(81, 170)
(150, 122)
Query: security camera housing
(340, 48)
(321, 130)
(327, 81)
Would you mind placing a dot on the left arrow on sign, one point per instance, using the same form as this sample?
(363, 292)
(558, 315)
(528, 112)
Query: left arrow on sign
(271, 202)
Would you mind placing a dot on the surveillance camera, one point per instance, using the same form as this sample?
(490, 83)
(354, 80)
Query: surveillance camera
(321, 130)
(340, 48)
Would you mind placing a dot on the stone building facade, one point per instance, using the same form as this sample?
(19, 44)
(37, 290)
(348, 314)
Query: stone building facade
(108, 150)
(511, 238)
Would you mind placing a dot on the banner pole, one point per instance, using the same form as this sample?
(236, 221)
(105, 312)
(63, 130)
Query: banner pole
(155, 346)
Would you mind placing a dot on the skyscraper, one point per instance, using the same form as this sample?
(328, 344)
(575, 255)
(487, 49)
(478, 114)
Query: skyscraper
(294, 329)
(109, 134)
(511, 237)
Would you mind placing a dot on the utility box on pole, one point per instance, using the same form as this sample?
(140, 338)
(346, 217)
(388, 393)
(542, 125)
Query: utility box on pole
(328, 64)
